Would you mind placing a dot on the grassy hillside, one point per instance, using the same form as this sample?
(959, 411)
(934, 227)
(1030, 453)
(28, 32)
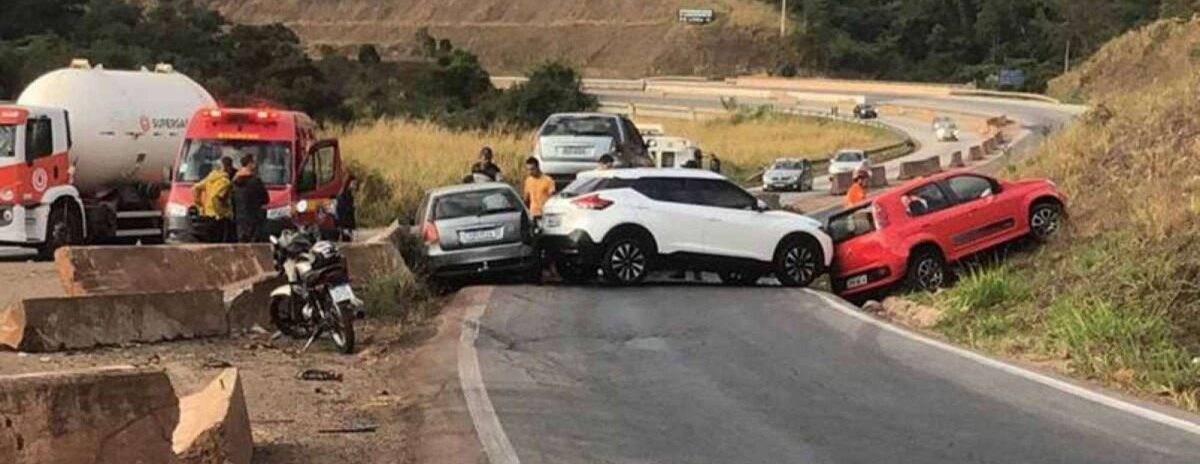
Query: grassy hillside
(630, 38)
(1117, 297)
(1147, 57)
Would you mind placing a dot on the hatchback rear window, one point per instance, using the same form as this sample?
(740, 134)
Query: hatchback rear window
(581, 126)
(852, 224)
(478, 203)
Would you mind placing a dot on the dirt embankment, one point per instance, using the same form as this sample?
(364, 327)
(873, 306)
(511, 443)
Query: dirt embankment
(603, 38)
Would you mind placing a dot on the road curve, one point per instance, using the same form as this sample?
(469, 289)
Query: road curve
(764, 375)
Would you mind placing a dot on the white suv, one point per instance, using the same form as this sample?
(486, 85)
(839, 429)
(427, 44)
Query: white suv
(627, 222)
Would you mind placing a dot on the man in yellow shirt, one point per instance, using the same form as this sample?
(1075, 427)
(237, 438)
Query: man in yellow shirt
(212, 197)
(538, 188)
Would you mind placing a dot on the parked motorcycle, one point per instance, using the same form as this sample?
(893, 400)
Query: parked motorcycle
(317, 297)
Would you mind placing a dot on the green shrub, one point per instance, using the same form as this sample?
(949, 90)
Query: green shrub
(979, 306)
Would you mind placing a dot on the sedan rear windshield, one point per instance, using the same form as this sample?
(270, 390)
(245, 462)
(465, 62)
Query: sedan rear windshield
(477, 203)
(581, 126)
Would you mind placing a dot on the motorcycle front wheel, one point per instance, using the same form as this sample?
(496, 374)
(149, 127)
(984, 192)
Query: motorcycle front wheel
(287, 318)
(340, 324)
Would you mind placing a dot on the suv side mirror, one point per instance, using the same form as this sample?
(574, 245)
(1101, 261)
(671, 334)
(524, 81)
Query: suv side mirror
(761, 206)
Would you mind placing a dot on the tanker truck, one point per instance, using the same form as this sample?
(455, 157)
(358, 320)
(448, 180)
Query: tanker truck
(85, 153)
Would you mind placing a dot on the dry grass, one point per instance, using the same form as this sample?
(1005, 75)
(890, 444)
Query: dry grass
(406, 158)
(416, 156)
(1146, 57)
(755, 143)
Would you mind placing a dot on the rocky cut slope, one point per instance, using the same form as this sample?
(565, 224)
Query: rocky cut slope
(602, 38)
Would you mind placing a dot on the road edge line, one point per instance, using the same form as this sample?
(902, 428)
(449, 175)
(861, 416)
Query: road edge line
(487, 425)
(1057, 384)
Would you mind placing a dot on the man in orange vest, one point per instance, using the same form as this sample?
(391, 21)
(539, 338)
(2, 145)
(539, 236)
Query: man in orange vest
(858, 188)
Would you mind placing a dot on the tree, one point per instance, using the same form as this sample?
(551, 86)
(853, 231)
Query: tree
(552, 88)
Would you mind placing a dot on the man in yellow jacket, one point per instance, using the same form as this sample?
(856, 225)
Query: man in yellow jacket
(212, 197)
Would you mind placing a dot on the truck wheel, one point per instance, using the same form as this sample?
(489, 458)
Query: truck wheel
(63, 228)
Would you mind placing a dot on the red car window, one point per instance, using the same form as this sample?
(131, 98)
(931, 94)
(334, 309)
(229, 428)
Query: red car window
(926, 199)
(967, 188)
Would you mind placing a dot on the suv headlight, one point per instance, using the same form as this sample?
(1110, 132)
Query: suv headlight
(177, 210)
(282, 212)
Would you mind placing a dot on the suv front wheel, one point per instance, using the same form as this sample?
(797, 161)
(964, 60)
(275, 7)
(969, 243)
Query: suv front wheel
(797, 262)
(626, 260)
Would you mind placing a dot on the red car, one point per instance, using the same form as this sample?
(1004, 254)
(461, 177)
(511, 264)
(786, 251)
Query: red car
(911, 233)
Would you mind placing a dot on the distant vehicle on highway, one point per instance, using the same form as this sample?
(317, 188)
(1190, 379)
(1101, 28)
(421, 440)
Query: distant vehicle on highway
(627, 222)
(789, 174)
(568, 143)
(845, 161)
(865, 111)
(477, 230)
(945, 129)
(912, 232)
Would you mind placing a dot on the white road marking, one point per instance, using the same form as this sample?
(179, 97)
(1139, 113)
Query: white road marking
(1062, 386)
(487, 425)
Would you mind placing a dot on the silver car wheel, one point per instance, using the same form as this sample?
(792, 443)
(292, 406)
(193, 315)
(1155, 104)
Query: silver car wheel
(1045, 221)
(800, 264)
(628, 262)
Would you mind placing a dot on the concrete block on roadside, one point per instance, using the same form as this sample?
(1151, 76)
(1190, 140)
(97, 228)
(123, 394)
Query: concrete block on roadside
(976, 153)
(956, 160)
(921, 168)
(878, 177)
(68, 323)
(839, 183)
(214, 424)
(91, 416)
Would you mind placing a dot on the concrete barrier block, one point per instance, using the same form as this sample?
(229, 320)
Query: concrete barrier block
(956, 160)
(839, 183)
(106, 270)
(214, 425)
(67, 323)
(90, 416)
(976, 153)
(878, 177)
(921, 168)
(247, 306)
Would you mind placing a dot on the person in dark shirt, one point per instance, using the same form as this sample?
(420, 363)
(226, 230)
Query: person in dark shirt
(485, 165)
(714, 163)
(697, 161)
(250, 199)
(345, 209)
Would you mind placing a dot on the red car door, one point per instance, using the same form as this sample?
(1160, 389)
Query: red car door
(988, 213)
(934, 214)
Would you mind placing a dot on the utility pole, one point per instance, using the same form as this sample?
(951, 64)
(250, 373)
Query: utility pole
(783, 20)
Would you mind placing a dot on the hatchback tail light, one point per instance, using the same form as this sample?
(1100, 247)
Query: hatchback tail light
(592, 202)
(881, 217)
(429, 233)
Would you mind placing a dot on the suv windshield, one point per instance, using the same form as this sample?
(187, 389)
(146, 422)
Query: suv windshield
(477, 203)
(849, 157)
(8, 140)
(201, 156)
(581, 126)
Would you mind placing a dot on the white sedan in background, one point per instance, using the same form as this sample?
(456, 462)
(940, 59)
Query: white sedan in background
(848, 161)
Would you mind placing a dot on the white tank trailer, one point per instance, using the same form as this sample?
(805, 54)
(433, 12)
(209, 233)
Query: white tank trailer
(123, 131)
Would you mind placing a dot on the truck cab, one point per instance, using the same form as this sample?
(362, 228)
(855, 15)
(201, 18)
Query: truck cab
(35, 178)
(303, 175)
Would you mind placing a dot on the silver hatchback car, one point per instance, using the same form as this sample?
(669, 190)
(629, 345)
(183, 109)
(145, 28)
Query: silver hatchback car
(477, 230)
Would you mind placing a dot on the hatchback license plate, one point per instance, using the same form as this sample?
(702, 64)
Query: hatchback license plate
(857, 281)
(477, 236)
(573, 151)
(342, 293)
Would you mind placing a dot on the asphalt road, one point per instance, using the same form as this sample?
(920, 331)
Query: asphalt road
(765, 375)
